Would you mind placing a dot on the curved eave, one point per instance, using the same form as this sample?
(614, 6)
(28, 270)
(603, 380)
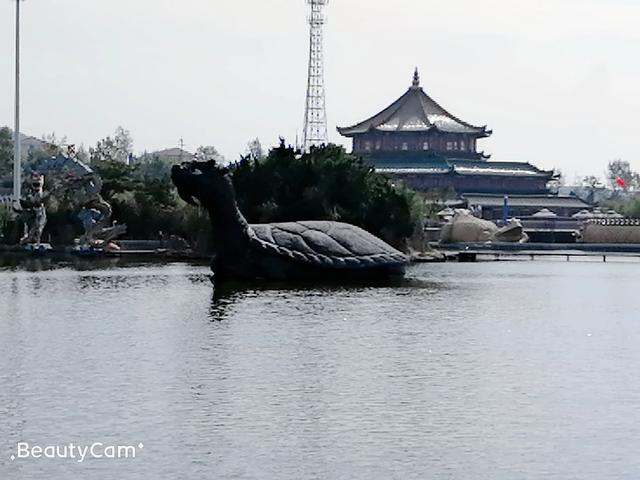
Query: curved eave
(499, 174)
(368, 124)
(413, 171)
(348, 132)
(514, 169)
(478, 132)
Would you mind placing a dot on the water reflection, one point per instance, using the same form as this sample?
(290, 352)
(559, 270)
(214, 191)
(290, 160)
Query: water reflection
(56, 261)
(502, 370)
(226, 294)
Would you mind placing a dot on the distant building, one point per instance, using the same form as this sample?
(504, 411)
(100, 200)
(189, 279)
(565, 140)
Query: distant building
(418, 141)
(169, 156)
(416, 123)
(523, 206)
(31, 144)
(430, 172)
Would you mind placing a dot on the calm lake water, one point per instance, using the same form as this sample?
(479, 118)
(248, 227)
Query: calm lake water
(509, 370)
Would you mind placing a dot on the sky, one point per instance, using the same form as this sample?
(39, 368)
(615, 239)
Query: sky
(556, 80)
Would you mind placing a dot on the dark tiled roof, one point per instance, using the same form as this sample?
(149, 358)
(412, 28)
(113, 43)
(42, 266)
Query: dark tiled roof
(542, 201)
(465, 167)
(415, 111)
(429, 163)
(408, 160)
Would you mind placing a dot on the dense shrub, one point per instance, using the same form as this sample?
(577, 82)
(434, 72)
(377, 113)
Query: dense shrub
(325, 184)
(627, 206)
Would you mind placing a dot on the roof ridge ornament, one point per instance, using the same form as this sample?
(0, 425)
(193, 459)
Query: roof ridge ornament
(416, 79)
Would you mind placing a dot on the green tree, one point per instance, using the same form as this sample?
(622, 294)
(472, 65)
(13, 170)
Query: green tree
(629, 206)
(117, 148)
(209, 152)
(54, 145)
(6, 151)
(154, 167)
(622, 169)
(117, 177)
(324, 184)
(82, 154)
(254, 149)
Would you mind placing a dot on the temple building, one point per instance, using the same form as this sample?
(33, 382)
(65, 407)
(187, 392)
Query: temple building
(419, 142)
(416, 123)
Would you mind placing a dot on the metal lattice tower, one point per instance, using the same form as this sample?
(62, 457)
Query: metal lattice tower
(315, 115)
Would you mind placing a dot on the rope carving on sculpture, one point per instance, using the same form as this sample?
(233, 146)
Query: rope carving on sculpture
(319, 259)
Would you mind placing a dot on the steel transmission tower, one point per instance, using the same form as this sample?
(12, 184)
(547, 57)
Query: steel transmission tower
(315, 115)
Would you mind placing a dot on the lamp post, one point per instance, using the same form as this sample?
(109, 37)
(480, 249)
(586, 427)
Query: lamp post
(17, 158)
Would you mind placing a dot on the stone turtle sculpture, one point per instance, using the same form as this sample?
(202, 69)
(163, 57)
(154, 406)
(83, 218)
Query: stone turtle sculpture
(305, 250)
(464, 228)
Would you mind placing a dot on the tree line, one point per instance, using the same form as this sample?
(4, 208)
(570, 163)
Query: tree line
(281, 185)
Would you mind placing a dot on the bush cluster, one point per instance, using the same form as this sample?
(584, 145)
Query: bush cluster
(324, 184)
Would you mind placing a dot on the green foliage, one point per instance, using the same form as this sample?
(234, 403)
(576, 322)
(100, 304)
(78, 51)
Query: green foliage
(5, 217)
(254, 149)
(435, 200)
(149, 204)
(117, 177)
(141, 195)
(152, 166)
(325, 184)
(207, 153)
(629, 207)
(117, 148)
(55, 145)
(9, 227)
(6, 151)
(622, 169)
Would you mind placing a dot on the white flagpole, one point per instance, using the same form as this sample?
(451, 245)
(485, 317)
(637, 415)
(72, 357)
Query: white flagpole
(17, 159)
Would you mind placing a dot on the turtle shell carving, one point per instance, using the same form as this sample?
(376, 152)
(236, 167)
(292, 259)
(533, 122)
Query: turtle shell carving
(325, 244)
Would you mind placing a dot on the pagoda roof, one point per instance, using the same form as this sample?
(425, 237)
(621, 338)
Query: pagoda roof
(415, 111)
(542, 201)
(430, 164)
(515, 169)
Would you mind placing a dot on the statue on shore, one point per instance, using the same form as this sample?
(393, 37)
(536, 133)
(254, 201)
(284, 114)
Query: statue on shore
(95, 213)
(77, 185)
(33, 211)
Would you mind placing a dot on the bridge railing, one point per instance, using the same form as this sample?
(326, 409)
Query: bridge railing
(614, 222)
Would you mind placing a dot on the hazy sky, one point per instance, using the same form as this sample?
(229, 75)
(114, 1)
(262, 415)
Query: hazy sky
(557, 80)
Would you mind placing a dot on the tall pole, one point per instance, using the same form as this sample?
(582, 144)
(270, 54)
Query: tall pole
(17, 158)
(315, 115)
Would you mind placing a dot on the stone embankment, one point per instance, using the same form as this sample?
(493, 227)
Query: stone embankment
(613, 231)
